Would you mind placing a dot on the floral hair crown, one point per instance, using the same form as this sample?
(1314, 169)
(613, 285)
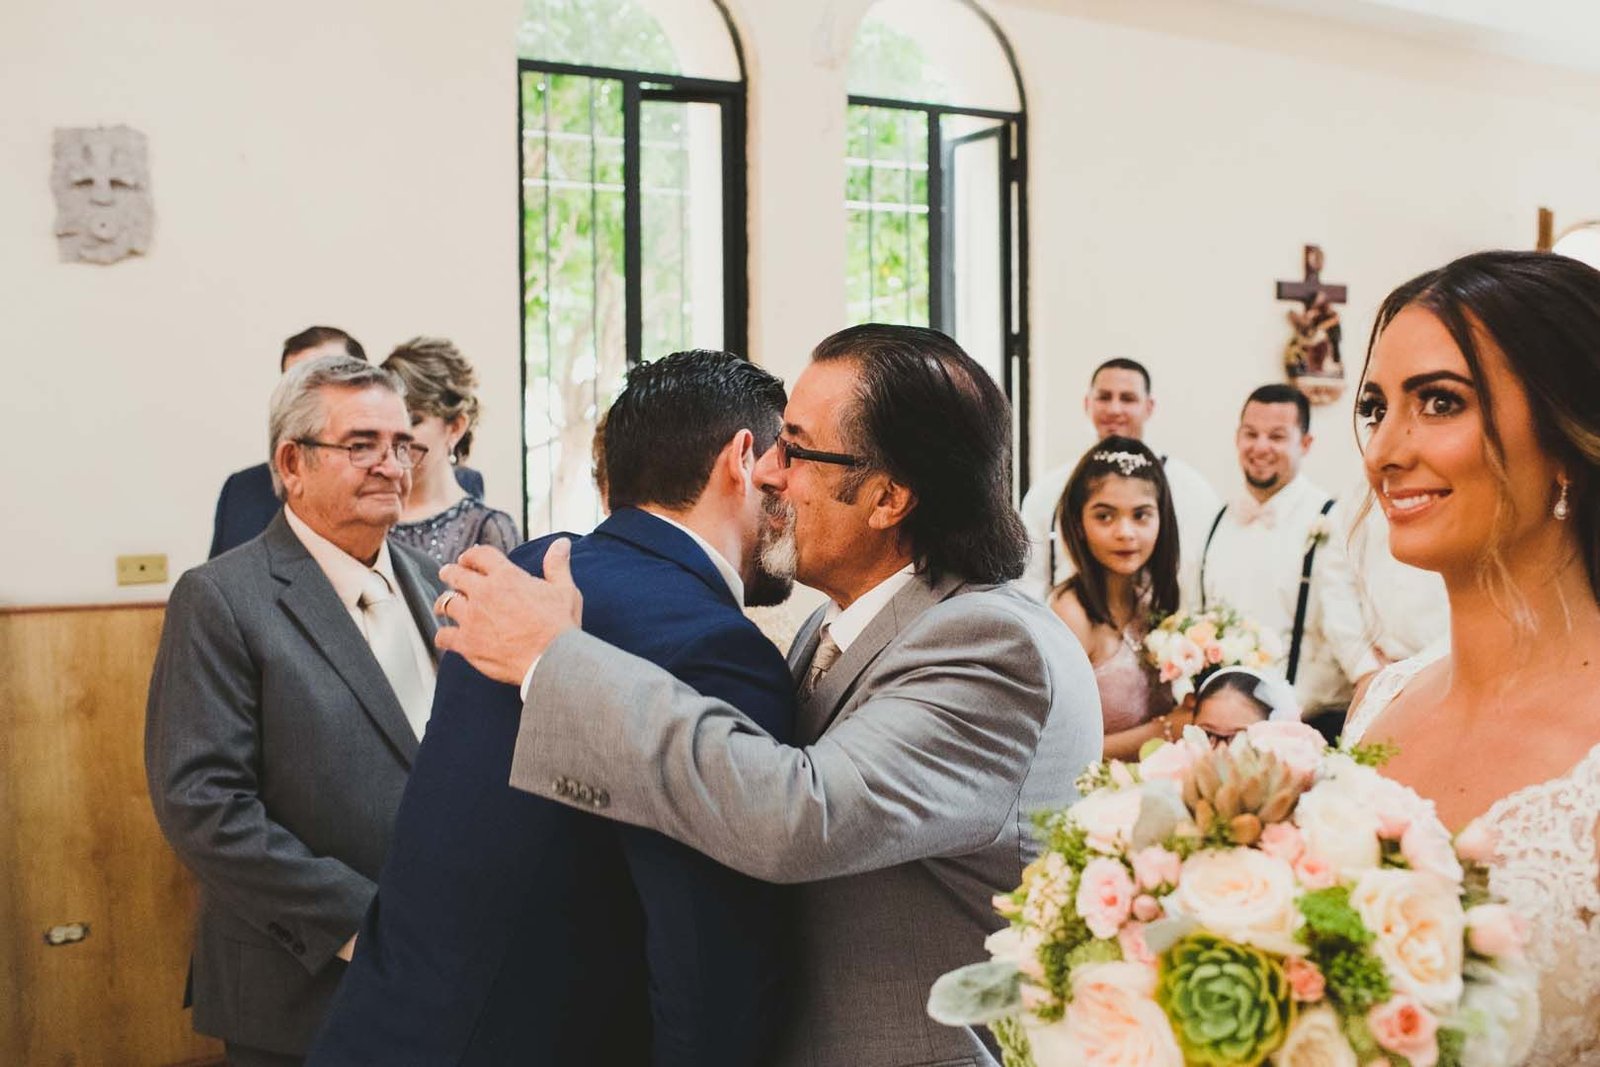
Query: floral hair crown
(1126, 462)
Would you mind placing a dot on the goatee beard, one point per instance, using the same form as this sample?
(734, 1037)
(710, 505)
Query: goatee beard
(776, 557)
(1261, 483)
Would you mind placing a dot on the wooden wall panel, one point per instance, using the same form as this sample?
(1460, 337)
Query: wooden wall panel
(78, 843)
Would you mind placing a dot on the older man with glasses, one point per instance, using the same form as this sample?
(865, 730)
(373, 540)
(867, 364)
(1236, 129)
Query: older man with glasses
(293, 683)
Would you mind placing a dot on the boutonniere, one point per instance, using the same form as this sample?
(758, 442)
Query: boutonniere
(1318, 533)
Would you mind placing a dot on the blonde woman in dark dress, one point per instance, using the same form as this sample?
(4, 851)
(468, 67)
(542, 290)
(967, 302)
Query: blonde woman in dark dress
(440, 518)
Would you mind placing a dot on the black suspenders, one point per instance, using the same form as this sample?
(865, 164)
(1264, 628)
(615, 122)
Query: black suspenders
(1302, 604)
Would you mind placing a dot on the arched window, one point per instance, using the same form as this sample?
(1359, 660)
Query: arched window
(632, 116)
(936, 186)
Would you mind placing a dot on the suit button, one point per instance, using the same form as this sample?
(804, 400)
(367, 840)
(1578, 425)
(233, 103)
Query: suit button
(559, 787)
(601, 798)
(585, 793)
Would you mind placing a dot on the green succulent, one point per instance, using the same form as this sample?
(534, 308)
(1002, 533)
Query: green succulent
(1229, 1004)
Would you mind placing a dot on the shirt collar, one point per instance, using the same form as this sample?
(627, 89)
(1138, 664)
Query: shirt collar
(345, 573)
(724, 568)
(846, 624)
(1281, 502)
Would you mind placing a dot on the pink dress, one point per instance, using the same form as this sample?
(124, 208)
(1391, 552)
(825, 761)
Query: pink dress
(1130, 693)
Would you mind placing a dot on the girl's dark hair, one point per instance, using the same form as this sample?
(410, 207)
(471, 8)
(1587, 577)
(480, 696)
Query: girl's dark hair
(1239, 683)
(1125, 457)
(1542, 312)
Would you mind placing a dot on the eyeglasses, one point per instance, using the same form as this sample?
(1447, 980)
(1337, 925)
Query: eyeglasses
(364, 455)
(788, 452)
(1218, 738)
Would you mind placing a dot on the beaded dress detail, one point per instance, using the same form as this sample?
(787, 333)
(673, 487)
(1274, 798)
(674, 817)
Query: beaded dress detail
(468, 522)
(1546, 867)
(1130, 694)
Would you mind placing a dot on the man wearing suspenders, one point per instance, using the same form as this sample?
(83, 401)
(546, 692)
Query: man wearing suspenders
(1260, 556)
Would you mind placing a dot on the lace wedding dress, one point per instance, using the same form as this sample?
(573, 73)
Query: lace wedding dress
(1546, 868)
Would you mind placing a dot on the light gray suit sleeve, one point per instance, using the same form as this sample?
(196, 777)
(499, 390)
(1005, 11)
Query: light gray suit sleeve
(929, 764)
(201, 763)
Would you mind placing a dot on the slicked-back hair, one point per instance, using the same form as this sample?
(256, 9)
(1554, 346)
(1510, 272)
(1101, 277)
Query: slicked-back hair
(1104, 460)
(1121, 363)
(297, 409)
(673, 418)
(928, 415)
(1542, 312)
(312, 336)
(1279, 393)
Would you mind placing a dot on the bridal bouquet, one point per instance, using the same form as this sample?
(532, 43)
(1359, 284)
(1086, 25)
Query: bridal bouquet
(1267, 901)
(1185, 647)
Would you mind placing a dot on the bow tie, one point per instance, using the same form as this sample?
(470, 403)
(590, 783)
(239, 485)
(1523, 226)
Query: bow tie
(1252, 512)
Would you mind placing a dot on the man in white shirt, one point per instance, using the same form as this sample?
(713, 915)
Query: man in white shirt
(938, 704)
(1375, 609)
(1262, 554)
(293, 683)
(1119, 402)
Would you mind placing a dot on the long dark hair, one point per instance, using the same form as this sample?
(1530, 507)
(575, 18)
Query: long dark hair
(1542, 311)
(1125, 457)
(931, 417)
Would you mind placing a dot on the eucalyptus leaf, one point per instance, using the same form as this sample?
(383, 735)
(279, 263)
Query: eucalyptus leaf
(976, 994)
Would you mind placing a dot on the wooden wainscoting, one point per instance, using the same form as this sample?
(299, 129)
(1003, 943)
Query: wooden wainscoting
(79, 844)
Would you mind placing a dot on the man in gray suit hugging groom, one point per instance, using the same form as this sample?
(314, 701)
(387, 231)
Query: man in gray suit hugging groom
(939, 706)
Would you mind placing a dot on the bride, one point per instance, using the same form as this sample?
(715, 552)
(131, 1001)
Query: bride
(1481, 407)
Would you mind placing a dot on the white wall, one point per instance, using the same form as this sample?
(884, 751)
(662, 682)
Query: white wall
(355, 163)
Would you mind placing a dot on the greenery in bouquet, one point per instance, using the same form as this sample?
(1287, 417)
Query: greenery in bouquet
(1185, 647)
(1267, 901)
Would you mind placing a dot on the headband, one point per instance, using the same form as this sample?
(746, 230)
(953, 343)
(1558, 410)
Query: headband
(1271, 689)
(1127, 462)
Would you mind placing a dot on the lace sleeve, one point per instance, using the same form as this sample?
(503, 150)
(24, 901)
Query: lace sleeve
(499, 530)
(1380, 694)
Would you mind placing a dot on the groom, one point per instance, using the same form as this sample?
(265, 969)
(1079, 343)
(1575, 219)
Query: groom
(511, 929)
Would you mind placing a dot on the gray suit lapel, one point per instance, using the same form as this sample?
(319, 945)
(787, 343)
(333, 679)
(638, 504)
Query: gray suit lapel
(818, 711)
(309, 598)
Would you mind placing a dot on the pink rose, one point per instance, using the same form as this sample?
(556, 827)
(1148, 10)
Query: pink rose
(1478, 843)
(1105, 896)
(1187, 655)
(1155, 867)
(1426, 847)
(1172, 761)
(1314, 872)
(1305, 979)
(1296, 745)
(1146, 908)
(1496, 930)
(1134, 949)
(1170, 671)
(1405, 1027)
(1283, 840)
(1214, 654)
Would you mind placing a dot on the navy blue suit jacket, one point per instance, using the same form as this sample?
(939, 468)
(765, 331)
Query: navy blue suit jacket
(247, 504)
(512, 929)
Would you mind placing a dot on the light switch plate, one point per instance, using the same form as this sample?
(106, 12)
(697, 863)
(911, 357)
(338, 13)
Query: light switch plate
(142, 570)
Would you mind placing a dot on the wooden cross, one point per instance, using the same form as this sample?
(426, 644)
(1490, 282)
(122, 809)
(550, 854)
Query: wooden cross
(1311, 287)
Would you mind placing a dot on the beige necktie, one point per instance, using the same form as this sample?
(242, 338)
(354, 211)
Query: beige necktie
(827, 653)
(389, 628)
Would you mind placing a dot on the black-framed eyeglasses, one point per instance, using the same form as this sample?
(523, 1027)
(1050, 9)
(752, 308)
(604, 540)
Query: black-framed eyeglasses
(364, 455)
(1218, 738)
(788, 452)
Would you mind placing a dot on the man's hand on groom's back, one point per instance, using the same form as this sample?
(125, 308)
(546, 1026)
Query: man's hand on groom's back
(504, 617)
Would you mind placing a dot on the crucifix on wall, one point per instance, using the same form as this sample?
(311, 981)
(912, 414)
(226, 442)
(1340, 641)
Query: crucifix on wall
(1312, 354)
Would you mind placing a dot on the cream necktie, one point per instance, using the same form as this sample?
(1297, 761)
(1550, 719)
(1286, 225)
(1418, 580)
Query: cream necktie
(827, 653)
(389, 626)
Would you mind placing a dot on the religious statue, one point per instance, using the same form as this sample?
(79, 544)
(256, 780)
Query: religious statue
(101, 181)
(1312, 354)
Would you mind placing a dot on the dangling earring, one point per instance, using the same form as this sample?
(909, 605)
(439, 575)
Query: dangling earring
(1562, 509)
(455, 456)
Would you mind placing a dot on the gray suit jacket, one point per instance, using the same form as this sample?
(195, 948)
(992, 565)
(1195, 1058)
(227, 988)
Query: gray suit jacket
(275, 753)
(960, 710)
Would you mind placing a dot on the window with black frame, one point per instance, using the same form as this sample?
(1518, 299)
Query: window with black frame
(936, 186)
(632, 216)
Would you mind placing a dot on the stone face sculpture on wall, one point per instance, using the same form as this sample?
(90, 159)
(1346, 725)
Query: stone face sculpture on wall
(101, 181)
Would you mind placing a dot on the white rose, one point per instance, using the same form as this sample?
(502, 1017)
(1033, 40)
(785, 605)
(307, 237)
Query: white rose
(1419, 928)
(1499, 1013)
(1243, 895)
(1338, 826)
(1236, 645)
(1113, 1021)
(1108, 816)
(1297, 746)
(1316, 1040)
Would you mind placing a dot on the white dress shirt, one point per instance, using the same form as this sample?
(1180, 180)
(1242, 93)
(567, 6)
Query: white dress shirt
(1370, 600)
(1193, 501)
(1254, 567)
(846, 624)
(348, 575)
